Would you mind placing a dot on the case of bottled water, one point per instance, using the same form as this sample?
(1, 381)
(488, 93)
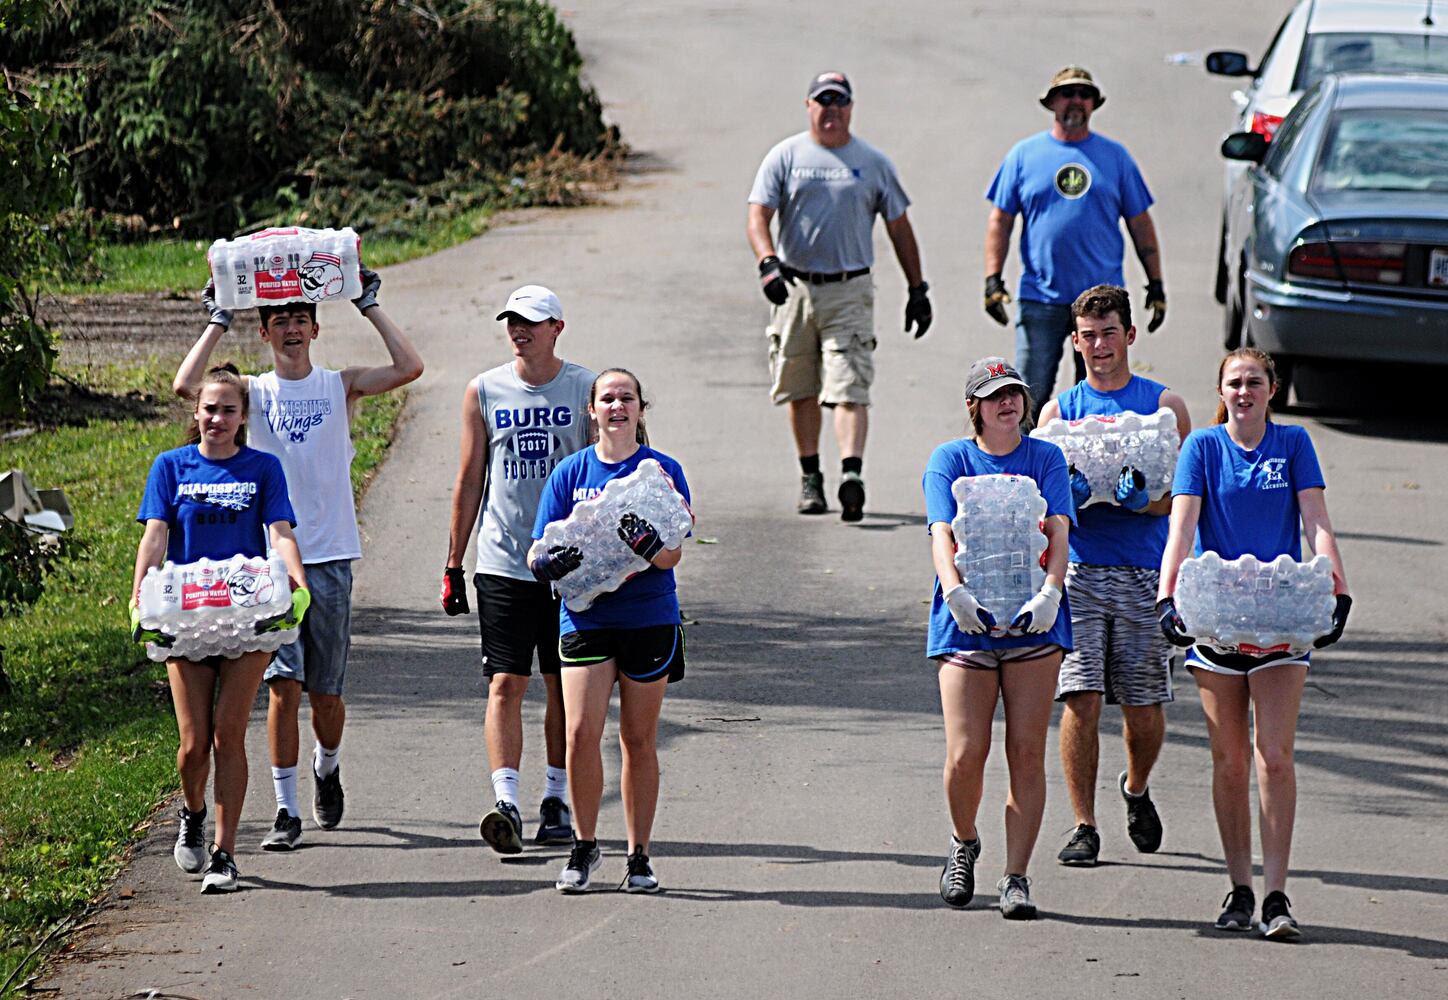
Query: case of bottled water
(999, 542)
(211, 606)
(1100, 446)
(294, 264)
(593, 529)
(1246, 606)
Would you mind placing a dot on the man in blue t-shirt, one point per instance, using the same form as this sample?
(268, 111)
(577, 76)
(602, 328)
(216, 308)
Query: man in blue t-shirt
(1120, 654)
(1071, 188)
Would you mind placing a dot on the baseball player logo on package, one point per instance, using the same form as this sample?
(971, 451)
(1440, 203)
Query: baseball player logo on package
(293, 264)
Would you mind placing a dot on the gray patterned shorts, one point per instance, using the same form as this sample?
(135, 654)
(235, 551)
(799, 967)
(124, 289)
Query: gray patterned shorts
(1119, 648)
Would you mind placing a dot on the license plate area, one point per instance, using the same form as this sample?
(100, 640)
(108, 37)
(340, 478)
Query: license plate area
(1438, 268)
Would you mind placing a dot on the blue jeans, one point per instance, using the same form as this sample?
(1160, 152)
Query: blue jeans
(1041, 330)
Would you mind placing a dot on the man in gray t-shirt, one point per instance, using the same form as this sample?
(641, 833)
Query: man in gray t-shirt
(519, 421)
(827, 186)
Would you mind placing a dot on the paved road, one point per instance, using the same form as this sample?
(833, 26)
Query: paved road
(802, 823)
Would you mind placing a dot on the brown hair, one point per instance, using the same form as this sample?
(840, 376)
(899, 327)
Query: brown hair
(1251, 353)
(267, 312)
(1028, 410)
(642, 434)
(223, 374)
(1100, 301)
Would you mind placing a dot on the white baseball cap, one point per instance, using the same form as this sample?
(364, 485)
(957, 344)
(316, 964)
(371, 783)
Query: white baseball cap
(534, 303)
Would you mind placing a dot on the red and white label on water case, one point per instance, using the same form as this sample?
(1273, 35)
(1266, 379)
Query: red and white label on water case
(291, 264)
(205, 594)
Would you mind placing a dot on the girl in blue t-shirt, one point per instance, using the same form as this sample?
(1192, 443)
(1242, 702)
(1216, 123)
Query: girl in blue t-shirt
(633, 635)
(982, 659)
(215, 498)
(1248, 485)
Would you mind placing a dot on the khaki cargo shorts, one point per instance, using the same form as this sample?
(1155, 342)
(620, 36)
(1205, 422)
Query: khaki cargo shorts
(822, 343)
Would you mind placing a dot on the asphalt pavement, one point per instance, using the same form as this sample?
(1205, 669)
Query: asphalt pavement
(802, 825)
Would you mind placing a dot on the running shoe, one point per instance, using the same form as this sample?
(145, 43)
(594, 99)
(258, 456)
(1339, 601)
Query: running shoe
(285, 833)
(1083, 847)
(555, 822)
(190, 852)
(1237, 909)
(812, 494)
(640, 875)
(852, 497)
(1016, 903)
(583, 861)
(1143, 825)
(957, 878)
(220, 874)
(327, 799)
(1277, 922)
(503, 828)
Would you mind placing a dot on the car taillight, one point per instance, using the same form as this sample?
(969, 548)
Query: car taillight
(1265, 125)
(1371, 263)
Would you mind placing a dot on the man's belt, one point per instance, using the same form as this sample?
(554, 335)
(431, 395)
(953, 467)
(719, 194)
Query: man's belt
(822, 278)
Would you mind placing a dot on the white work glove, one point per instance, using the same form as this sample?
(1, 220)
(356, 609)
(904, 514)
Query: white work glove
(1039, 613)
(970, 617)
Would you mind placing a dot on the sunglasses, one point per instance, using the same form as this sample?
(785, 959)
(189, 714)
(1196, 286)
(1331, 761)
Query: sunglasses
(1081, 92)
(833, 98)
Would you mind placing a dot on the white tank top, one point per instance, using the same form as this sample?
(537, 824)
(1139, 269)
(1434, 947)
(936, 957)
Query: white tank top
(304, 424)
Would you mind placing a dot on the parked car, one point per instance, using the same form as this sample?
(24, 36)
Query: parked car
(1337, 235)
(1319, 37)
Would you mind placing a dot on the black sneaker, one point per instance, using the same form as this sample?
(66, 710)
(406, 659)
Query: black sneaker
(1237, 909)
(503, 828)
(327, 799)
(1143, 825)
(852, 497)
(1016, 902)
(957, 878)
(220, 874)
(577, 875)
(812, 494)
(1277, 922)
(555, 822)
(190, 852)
(285, 833)
(1083, 847)
(640, 875)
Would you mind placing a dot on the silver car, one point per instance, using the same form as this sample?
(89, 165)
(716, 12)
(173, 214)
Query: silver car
(1319, 37)
(1337, 234)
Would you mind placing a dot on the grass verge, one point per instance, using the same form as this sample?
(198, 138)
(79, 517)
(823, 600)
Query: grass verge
(87, 736)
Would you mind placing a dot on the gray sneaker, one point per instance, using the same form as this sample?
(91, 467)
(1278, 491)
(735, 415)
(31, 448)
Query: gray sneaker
(640, 875)
(957, 878)
(327, 799)
(1016, 903)
(190, 852)
(577, 875)
(812, 494)
(285, 833)
(221, 874)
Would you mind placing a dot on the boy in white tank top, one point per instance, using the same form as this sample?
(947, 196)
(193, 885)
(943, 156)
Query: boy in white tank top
(301, 414)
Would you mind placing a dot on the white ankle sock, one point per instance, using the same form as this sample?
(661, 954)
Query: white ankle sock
(555, 783)
(324, 761)
(284, 781)
(505, 785)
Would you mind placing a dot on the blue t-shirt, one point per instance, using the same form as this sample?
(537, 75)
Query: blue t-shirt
(1071, 197)
(215, 509)
(643, 600)
(1105, 534)
(1249, 498)
(1037, 459)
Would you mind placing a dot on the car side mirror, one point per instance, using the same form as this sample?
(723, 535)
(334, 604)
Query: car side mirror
(1250, 146)
(1228, 63)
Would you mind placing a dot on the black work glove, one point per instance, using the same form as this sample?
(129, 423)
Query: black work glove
(773, 278)
(214, 313)
(371, 282)
(640, 535)
(996, 299)
(917, 309)
(556, 563)
(1156, 302)
(454, 591)
(1171, 623)
(1339, 622)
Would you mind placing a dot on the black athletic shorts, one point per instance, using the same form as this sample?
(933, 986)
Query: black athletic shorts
(642, 654)
(516, 619)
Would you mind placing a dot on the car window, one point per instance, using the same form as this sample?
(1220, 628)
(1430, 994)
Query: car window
(1361, 52)
(1272, 46)
(1288, 132)
(1377, 150)
(1279, 65)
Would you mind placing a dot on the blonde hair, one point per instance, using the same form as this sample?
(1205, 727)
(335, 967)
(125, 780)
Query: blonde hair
(1252, 354)
(228, 375)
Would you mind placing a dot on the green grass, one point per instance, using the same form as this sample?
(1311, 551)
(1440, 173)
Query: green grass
(180, 265)
(87, 737)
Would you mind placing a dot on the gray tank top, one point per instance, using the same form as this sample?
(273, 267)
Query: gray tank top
(531, 428)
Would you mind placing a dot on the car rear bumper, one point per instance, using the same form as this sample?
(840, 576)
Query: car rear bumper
(1307, 322)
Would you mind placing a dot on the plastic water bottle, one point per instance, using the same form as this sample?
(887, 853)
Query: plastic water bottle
(1245, 605)
(211, 607)
(999, 541)
(294, 264)
(1100, 446)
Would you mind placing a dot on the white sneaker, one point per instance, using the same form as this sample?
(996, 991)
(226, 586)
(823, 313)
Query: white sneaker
(190, 852)
(640, 876)
(578, 873)
(221, 874)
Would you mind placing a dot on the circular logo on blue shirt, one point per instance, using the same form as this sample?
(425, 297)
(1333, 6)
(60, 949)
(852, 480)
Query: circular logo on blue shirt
(1073, 180)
